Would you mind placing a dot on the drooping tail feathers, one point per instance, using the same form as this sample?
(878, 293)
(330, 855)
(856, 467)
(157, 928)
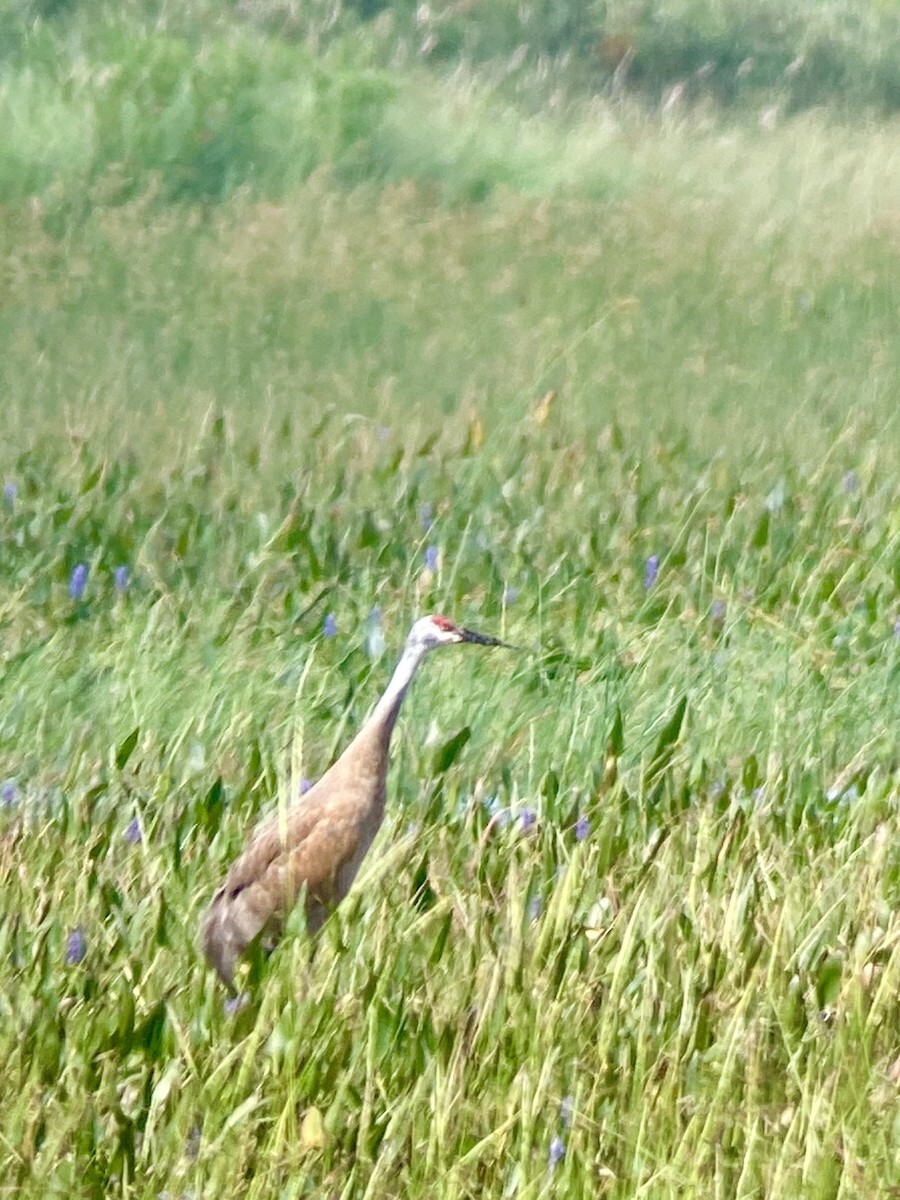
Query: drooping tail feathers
(230, 925)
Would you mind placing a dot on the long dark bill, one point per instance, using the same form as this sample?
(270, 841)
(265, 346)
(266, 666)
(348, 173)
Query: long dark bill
(481, 639)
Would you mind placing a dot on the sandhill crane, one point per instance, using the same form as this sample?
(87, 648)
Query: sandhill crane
(319, 840)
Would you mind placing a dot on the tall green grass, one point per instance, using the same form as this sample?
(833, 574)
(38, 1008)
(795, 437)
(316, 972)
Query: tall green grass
(617, 386)
(741, 287)
(696, 996)
(103, 112)
(103, 101)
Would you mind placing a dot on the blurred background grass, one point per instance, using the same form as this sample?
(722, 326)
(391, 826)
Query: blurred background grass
(577, 322)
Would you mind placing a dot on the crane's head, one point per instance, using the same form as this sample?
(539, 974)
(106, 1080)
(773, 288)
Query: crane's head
(430, 632)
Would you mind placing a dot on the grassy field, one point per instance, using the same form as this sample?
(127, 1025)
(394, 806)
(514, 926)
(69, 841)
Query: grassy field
(617, 384)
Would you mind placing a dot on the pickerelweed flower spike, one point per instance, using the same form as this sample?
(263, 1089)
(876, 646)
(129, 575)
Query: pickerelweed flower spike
(651, 571)
(76, 948)
(329, 626)
(431, 558)
(78, 581)
(557, 1151)
(582, 828)
(120, 579)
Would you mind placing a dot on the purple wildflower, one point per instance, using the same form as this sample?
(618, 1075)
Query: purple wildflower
(717, 611)
(121, 579)
(511, 595)
(329, 626)
(851, 482)
(651, 570)
(535, 907)
(78, 581)
(566, 1108)
(897, 627)
(528, 820)
(305, 785)
(557, 1151)
(234, 1004)
(8, 793)
(431, 558)
(132, 834)
(10, 491)
(76, 948)
(426, 516)
(582, 828)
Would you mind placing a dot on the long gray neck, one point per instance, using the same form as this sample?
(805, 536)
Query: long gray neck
(387, 708)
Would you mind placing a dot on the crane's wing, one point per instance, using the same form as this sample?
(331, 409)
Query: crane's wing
(308, 845)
